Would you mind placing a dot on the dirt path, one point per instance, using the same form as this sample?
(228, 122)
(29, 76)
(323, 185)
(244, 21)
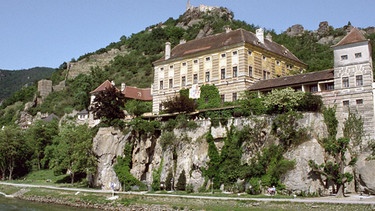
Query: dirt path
(350, 199)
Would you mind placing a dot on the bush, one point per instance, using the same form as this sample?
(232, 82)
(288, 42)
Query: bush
(190, 188)
(310, 102)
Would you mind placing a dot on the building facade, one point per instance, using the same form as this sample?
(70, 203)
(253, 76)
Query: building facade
(348, 86)
(232, 61)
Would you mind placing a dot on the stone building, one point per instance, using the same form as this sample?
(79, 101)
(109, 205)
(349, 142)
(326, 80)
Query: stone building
(232, 61)
(349, 85)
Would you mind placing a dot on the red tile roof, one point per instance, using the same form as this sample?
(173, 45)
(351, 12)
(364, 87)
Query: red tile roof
(227, 39)
(137, 93)
(105, 85)
(354, 36)
(323, 75)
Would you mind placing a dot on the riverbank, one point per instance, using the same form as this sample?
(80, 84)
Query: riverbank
(106, 200)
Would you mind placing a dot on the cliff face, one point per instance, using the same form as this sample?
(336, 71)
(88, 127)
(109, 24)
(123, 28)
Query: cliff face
(192, 156)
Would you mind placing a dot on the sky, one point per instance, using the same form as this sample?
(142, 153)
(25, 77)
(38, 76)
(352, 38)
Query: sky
(46, 33)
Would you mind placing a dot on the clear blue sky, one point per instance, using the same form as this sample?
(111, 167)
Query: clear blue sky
(49, 32)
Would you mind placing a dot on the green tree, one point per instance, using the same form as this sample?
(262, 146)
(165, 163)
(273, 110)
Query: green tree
(209, 97)
(72, 151)
(169, 180)
(40, 135)
(137, 107)
(181, 182)
(108, 105)
(14, 152)
(179, 103)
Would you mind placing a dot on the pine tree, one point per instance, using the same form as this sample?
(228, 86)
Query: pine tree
(181, 182)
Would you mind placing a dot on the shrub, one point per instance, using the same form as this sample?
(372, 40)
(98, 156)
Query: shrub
(209, 97)
(190, 188)
(310, 102)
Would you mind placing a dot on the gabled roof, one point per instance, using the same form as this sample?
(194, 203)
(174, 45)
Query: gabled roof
(227, 39)
(137, 93)
(323, 75)
(105, 85)
(354, 36)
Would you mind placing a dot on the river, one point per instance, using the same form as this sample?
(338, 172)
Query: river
(11, 204)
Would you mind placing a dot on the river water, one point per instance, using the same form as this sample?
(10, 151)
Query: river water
(11, 204)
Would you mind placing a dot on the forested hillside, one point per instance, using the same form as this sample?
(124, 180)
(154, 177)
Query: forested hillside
(11, 81)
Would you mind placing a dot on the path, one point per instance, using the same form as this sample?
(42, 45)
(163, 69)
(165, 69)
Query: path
(351, 199)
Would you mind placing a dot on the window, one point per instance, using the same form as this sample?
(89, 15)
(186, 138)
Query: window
(183, 81)
(170, 83)
(359, 101)
(161, 85)
(250, 71)
(234, 53)
(329, 86)
(234, 96)
(266, 75)
(345, 103)
(264, 58)
(223, 73)
(313, 88)
(278, 63)
(184, 64)
(171, 67)
(160, 107)
(344, 57)
(223, 55)
(195, 61)
(249, 52)
(208, 59)
(345, 82)
(162, 68)
(234, 72)
(222, 97)
(207, 78)
(359, 80)
(195, 78)
(358, 55)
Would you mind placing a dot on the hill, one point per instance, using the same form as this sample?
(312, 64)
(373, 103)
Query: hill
(11, 81)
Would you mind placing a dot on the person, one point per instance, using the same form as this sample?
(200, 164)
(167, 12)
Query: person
(271, 191)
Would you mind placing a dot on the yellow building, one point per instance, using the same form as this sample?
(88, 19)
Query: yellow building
(232, 61)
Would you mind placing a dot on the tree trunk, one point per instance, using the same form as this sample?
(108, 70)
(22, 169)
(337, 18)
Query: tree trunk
(72, 178)
(340, 191)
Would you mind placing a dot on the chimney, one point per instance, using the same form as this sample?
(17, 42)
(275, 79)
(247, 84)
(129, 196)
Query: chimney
(182, 41)
(260, 35)
(269, 37)
(113, 83)
(123, 87)
(227, 29)
(167, 50)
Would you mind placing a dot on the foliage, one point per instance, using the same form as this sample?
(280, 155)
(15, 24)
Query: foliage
(334, 170)
(180, 104)
(287, 130)
(282, 100)
(14, 153)
(40, 135)
(137, 107)
(181, 181)
(310, 102)
(10, 114)
(209, 97)
(353, 128)
(251, 104)
(24, 95)
(122, 169)
(108, 105)
(72, 151)
(254, 188)
(156, 174)
(143, 128)
(167, 139)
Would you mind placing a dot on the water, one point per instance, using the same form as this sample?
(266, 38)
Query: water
(11, 204)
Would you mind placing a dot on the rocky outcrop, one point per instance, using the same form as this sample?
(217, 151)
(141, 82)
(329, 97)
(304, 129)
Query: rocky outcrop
(189, 152)
(323, 28)
(295, 30)
(107, 145)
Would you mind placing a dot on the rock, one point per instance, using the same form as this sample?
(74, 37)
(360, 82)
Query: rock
(365, 174)
(301, 178)
(295, 30)
(323, 28)
(107, 145)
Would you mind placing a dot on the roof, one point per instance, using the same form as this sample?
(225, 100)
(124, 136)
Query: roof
(50, 117)
(227, 39)
(323, 75)
(354, 36)
(105, 85)
(137, 93)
